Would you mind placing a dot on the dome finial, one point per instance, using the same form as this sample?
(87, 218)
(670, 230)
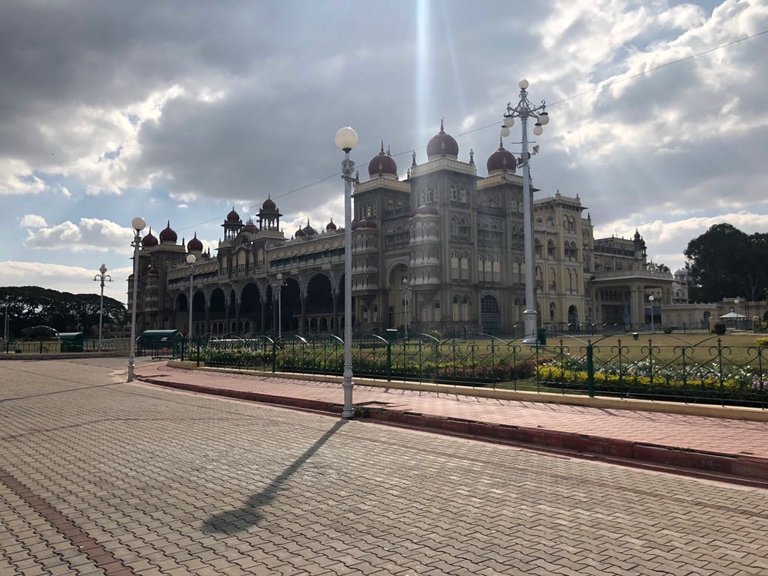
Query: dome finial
(442, 129)
(413, 158)
(382, 147)
(471, 156)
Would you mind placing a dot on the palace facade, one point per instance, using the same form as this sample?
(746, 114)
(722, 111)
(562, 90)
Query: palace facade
(440, 250)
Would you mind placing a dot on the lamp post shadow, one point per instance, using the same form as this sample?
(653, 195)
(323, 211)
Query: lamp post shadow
(240, 519)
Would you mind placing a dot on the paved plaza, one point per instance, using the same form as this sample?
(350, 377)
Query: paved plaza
(98, 476)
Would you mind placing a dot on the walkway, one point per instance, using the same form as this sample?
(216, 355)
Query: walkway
(731, 447)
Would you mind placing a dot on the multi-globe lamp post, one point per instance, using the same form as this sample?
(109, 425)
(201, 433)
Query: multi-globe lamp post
(525, 110)
(277, 294)
(346, 140)
(651, 298)
(191, 259)
(138, 224)
(101, 277)
(406, 290)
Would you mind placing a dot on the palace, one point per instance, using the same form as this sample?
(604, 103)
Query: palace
(440, 250)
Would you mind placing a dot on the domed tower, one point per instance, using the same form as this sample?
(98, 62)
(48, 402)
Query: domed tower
(250, 227)
(331, 227)
(501, 161)
(382, 165)
(168, 235)
(442, 145)
(269, 215)
(308, 230)
(195, 246)
(149, 241)
(639, 246)
(232, 225)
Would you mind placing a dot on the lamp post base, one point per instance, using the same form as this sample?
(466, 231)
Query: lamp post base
(349, 410)
(529, 323)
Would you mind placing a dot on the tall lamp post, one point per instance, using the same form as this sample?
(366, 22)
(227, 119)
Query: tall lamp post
(406, 290)
(277, 294)
(5, 327)
(101, 277)
(191, 259)
(346, 139)
(138, 225)
(524, 110)
(651, 299)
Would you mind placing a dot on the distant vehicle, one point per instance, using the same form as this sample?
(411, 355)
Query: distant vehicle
(39, 333)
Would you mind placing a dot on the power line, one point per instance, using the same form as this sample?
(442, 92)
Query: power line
(496, 123)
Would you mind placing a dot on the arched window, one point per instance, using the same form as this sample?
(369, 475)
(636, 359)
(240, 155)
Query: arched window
(551, 249)
(454, 265)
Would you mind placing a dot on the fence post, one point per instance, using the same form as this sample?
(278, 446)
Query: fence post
(198, 352)
(389, 361)
(590, 370)
(274, 356)
(41, 346)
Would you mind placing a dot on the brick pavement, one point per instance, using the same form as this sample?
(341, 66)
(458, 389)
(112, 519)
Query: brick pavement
(629, 434)
(173, 483)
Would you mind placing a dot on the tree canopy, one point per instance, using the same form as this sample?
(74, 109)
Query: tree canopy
(34, 306)
(725, 262)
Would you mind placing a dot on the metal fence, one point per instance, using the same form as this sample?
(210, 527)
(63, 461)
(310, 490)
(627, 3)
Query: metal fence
(706, 371)
(14, 346)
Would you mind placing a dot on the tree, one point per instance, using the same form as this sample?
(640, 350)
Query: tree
(725, 262)
(65, 312)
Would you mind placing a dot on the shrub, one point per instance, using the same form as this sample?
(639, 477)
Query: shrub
(719, 329)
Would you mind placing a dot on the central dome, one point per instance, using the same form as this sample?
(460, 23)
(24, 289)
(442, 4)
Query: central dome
(442, 144)
(168, 236)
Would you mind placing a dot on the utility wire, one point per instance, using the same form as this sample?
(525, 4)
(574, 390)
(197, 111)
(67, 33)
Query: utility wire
(551, 104)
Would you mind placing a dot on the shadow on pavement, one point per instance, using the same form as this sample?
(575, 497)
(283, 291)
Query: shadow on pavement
(240, 519)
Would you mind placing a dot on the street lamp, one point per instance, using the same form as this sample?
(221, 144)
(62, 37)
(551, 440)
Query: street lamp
(138, 225)
(651, 299)
(346, 139)
(406, 290)
(5, 328)
(277, 292)
(191, 259)
(101, 277)
(525, 110)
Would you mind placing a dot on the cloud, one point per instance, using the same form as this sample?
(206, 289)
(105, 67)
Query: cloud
(664, 238)
(89, 234)
(33, 221)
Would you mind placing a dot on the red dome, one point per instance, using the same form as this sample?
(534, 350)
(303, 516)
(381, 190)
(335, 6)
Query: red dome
(442, 144)
(269, 205)
(195, 245)
(168, 236)
(233, 216)
(501, 160)
(382, 163)
(250, 227)
(149, 241)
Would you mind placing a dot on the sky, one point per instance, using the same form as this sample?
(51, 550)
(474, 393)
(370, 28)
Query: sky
(177, 111)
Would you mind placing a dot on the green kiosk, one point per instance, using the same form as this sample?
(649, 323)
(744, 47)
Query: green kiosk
(161, 343)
